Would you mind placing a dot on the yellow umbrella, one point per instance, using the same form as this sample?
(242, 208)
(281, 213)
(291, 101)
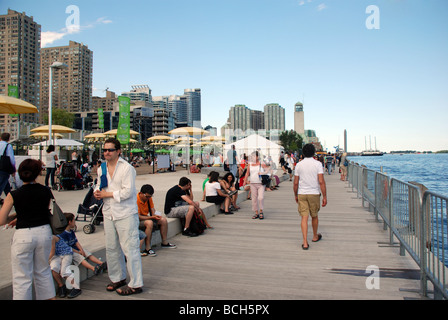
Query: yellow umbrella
(45, 134)
(95, 136)
(55, 128)
(114, 132)
(213, 138)
(155, 138)
(10, 105)
(191, 131)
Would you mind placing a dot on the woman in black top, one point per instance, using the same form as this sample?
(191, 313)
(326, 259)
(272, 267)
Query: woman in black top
(31, 245)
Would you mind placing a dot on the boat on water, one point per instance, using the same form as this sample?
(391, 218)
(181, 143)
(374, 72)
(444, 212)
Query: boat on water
(371, 152)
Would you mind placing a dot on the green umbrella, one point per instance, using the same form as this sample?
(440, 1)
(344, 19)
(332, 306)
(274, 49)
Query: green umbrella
(137, 150)
(162, 151)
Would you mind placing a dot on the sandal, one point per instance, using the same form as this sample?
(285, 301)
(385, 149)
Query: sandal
(115, 285)
(127, 291)
(261, 216)
(255, 216)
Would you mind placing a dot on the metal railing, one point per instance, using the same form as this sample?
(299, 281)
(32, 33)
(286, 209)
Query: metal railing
(416, 218)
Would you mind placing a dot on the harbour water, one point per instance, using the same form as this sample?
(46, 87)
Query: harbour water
(427, 169)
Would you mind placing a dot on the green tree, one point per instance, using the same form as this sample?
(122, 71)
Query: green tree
(61, 117)
(291, 140)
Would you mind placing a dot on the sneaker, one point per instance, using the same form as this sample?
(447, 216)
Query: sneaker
(169, 245)
(149, 252)
(188, 233)
(99, 268)
(74, 293)
(62, 291)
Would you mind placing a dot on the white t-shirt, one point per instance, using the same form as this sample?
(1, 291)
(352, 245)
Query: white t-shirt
(211, 189)
(307, 170)
(50, 162)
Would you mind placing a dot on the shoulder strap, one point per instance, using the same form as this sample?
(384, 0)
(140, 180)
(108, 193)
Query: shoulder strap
(6, 147)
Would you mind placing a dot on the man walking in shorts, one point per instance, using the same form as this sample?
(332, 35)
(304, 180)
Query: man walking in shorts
(309, 185)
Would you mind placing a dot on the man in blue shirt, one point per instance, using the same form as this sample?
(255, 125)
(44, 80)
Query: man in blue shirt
(4, 176)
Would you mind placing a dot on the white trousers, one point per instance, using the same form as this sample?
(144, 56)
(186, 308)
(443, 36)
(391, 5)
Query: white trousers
(30, 250)
(122, 239)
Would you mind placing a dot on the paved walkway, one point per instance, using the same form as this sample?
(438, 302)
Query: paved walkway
(242, 258)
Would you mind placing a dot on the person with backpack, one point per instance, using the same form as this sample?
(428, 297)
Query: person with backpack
(9, 166)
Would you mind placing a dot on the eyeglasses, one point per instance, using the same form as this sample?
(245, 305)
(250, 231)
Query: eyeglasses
(110, 150)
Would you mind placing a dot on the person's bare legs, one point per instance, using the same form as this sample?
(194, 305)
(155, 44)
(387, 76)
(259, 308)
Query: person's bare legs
(315, 224)
(304, 226)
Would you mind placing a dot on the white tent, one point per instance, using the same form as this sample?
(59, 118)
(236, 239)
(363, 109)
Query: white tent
(253, 143)
(35, 152)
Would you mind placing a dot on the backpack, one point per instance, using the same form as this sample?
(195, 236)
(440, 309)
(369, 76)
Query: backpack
(197, 225)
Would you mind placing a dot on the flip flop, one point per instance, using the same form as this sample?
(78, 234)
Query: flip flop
(306, 247)
(319, 236)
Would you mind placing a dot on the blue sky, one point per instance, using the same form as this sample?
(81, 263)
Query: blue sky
(388, 83)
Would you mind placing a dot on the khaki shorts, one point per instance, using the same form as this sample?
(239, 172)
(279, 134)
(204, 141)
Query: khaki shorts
(309, 204)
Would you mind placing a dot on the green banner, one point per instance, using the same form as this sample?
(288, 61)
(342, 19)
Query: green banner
(124, 120)
(13, 91)
(100, 118)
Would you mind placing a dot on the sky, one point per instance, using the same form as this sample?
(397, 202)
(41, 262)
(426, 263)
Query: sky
(380, 72)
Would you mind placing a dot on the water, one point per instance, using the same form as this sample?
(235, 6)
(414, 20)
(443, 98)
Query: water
(427, 169)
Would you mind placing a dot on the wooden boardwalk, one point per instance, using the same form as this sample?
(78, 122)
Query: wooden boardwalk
(245, 259)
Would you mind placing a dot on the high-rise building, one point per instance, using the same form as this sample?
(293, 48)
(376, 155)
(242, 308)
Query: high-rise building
(193, 107)
(299, 119)
(240, 117)
(257, 121)
(106, 103)
(19, 60)
(72, 86)
(139, 93)
(274, 117)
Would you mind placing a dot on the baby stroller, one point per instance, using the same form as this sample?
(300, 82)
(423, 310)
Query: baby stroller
(66, 177)
(91, 207)
(87, 180)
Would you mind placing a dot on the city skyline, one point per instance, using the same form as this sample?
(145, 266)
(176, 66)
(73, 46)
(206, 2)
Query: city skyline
(387, 83)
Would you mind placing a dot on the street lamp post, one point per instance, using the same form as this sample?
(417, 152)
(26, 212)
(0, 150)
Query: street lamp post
(55, 65)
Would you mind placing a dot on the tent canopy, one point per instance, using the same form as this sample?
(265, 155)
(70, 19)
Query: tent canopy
(253, 143)
(60, 142)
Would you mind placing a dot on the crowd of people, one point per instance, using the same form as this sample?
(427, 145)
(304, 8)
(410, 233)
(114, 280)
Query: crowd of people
(130, 217)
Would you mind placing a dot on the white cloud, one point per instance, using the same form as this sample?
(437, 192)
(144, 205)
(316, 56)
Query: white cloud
(321, 7)
(48, 37)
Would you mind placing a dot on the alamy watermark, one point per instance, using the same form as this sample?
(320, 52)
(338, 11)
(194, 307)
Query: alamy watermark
(373, 20)
(72, 23)
(373, 280)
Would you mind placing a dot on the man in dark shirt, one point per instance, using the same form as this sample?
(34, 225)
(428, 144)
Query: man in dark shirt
(179, 205)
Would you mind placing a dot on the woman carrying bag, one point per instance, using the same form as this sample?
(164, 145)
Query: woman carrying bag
(31, 244)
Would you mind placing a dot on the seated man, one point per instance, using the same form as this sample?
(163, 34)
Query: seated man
(150, 221)
(174, 207)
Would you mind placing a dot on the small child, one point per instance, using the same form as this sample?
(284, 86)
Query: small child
(80, 255)
(61, 256)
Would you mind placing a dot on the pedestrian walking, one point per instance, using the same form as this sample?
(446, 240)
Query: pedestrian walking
(309, 186)
(50, 165)
(116, 186)
(7, 168)
(254, 170)
(31, 244)
(232, 160)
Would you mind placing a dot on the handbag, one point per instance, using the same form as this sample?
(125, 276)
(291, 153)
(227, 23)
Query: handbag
(265, 180)
(5, 162)
(58, 220)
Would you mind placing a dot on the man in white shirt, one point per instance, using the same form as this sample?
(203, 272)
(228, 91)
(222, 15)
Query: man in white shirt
(309, 184)
(120, 212)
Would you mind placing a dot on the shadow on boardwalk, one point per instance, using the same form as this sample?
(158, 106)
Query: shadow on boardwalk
(246, 259)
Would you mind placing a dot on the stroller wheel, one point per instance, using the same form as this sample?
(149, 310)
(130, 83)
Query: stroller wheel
(89, 228)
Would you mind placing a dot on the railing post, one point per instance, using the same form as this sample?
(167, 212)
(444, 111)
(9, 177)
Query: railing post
(391, 210)
(423, 278)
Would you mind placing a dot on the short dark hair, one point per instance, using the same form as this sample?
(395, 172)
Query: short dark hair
(308, 150)
(29, 170)
(116, 143)
(5, 136)
(184, 181)
(147, 188)
(69, 216)
(50, 148)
